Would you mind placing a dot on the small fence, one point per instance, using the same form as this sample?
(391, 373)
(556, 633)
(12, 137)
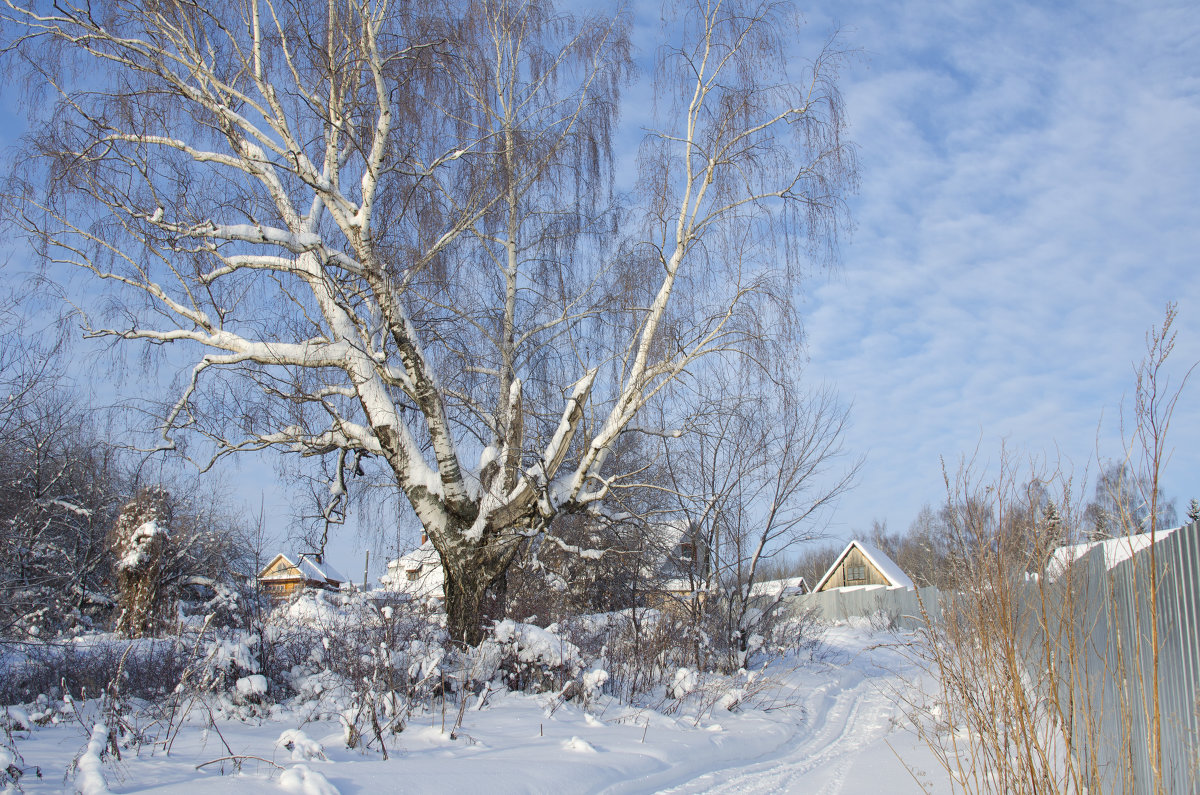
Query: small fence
(1105, 632)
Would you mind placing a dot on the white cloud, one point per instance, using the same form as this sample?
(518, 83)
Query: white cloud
(1029, 205)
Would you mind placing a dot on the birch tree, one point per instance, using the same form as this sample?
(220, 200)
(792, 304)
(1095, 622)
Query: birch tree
(381, 232)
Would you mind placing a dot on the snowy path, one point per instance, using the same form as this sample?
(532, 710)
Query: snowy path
(838, 728)
(843, 744)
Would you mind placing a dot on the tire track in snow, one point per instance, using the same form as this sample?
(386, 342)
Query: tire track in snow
(858, 716)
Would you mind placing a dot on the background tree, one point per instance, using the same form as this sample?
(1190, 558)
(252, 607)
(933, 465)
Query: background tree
(60, 487)
(139, 542)
(1122, 503)
(381, 232)
(754, 479)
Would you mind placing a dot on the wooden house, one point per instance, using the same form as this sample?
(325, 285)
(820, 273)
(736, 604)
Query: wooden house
(862, 564)
(281, 577)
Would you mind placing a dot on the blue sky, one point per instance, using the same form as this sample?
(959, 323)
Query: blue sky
(1030, 201)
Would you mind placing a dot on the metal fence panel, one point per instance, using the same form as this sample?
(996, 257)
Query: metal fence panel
(1102, 639)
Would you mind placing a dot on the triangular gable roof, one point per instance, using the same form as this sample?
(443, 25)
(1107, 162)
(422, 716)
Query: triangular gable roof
(882, 563)
(307, 569)
(263, 574)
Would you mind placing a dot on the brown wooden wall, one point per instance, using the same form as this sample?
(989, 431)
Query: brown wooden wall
(854, 558)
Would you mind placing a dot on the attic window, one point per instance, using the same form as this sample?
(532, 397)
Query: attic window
(687, 551)
(856, 573)
(413, 574)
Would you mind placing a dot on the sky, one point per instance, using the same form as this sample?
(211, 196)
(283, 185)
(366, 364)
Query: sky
(1029, 204)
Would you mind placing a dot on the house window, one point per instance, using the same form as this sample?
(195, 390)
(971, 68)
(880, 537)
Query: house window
(687, 552)
(856, 573)
(413, 574)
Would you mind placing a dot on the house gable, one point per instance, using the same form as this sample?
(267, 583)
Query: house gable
(281, 577)
(280, 568)
(861, 564)
(417, 574)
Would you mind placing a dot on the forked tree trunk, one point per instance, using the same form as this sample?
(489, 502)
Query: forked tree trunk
(475, 588)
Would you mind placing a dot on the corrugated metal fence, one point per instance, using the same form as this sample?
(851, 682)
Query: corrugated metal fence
(1097, 621)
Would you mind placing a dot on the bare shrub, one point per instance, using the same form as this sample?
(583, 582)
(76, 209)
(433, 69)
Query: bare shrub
(1049, 677)
(85, 670)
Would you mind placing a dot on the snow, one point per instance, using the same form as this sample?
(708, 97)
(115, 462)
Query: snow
(833, 723)
(785, 587)
(301, 779)
(536, 645)
(579, 746)
(89, 770)
(426, 565)
(301, 746)
(72, 507)
(313, 570)
(138, 551)
(253, 685)
(684, 683)
(1115, 551)
(18, 718)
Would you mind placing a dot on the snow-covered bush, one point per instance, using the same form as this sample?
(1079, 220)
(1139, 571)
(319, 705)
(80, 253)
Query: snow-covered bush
(89, 769)
(534, 659)
(365, 662)
(302, 747)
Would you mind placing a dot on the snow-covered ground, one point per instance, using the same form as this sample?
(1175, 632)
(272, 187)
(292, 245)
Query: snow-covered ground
(831, 725)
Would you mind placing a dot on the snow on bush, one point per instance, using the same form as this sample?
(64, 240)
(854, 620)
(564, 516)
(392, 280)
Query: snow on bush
(89, 769)
(303, 780)
(685, 682)
(534, 658)
(140, 544)
(17, 718)
(253, 686)
(302, 747)
(593, 681)
(578, 745)
(532, 644)
(234, 652)
(231, 667)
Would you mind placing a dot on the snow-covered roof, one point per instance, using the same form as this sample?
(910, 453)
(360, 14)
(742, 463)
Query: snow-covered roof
(426, 568)
(784, 587)
(882, 563)
(680, 585)
(324, 570)
(1116, 550)
(421, 556)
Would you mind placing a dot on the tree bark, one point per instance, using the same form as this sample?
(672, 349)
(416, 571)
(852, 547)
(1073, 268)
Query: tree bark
(475, 588)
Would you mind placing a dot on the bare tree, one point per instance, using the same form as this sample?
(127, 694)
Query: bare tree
(381, 231)
(1123, 502)
(60, 486)
(754, 479)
